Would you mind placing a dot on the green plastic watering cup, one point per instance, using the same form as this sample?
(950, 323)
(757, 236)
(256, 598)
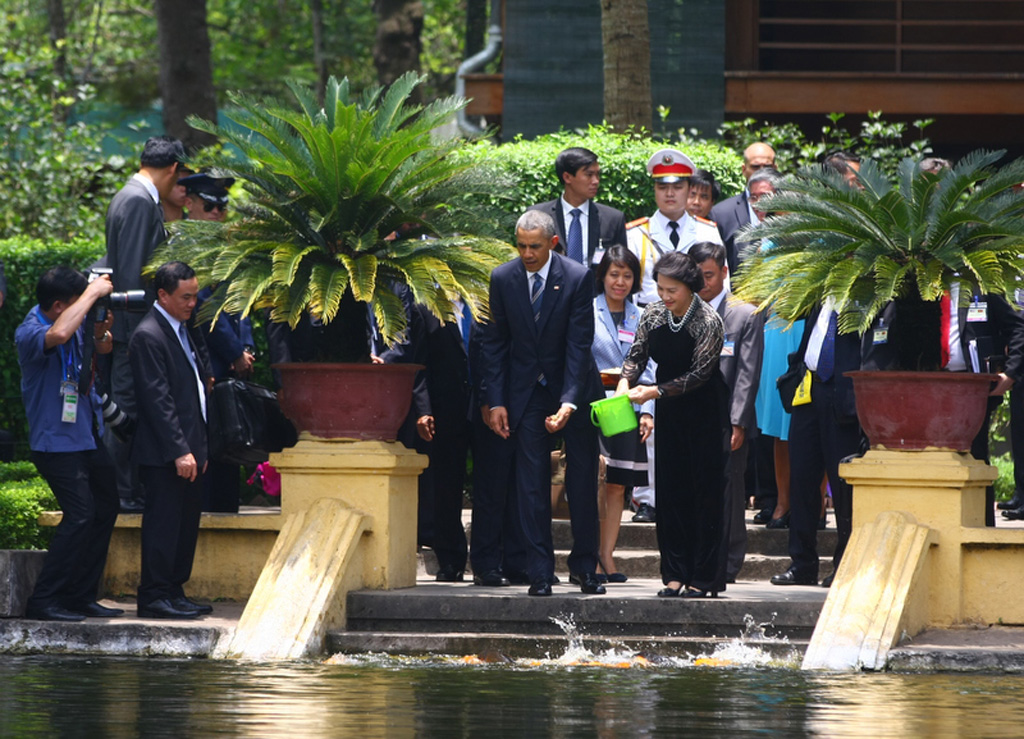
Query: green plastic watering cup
(613, 415)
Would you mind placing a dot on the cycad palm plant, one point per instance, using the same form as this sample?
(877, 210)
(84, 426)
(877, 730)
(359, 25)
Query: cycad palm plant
(327, 186)
(907, 241)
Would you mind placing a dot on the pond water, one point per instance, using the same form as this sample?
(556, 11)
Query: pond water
(608, 695)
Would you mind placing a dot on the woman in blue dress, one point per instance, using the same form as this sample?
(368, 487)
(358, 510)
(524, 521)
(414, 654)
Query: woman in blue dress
(615, 323)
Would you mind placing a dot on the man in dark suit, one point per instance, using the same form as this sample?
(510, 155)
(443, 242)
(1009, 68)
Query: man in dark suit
(592, 227)
(170, 375)
(540, 375)
(734, 213)
(444, 409)
(740, 363)
(134, 229)
(821, 433)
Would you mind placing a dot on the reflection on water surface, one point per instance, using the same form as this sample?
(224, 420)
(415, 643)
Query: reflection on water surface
(377, 696)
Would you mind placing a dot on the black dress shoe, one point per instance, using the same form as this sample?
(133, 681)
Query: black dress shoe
(449, 573)
(1017, 514)
(1012, 504)
(95, 610)
(540, 587)
(790, 577)
(764, 515)
(491, 579)
(186, 604)
(782, 522)
(131, 505)
(165, 609)
(827, 582)
(53, 613)
(644, 514)
(588, 583)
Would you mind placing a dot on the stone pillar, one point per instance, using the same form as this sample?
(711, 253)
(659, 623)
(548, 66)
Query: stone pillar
(941, 490)
(379, 479)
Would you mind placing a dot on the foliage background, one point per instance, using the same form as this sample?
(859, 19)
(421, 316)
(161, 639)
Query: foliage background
(23, 496)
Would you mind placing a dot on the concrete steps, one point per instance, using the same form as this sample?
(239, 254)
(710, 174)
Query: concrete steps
(460, 618)
(636, 553)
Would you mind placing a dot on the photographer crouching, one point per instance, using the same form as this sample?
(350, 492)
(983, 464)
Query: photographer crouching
(65, 425)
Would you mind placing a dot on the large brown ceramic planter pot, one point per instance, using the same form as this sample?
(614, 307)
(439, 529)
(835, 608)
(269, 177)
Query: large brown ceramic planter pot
(921, 410)
(347, 401)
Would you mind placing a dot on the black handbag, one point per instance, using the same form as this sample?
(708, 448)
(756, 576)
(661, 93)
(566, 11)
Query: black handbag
(246, 423)
(789, 381)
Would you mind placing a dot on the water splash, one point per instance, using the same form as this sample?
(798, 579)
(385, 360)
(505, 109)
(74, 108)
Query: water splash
(755, 647)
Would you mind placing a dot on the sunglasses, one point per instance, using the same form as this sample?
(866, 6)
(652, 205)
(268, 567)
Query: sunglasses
(208, 207)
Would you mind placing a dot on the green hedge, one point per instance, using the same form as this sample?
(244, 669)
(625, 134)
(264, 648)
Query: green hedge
(24, 261)
(624, 181)
(23, 496)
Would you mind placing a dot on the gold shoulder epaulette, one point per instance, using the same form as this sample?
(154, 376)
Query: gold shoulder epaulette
(704, 220)
(637, 222)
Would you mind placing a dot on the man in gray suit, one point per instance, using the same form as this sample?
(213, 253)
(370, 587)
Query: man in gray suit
(584, 228)
(734, 213)
(741, 366)
(134, 228)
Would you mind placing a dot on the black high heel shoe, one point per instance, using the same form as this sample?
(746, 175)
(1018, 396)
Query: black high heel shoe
(606, 576)
(695, 593)
(667, 592)
(782, 522)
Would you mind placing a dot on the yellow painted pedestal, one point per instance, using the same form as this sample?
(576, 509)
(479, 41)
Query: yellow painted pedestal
(350, 522)
(920, 557)
(378, 478)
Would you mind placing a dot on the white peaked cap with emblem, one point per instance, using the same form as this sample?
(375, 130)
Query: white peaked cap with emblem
(670, 165)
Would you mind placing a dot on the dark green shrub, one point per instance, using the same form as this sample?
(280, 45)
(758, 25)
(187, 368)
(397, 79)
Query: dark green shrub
(17, 472)
(24, 261)
(624, 181)
(21, 502)
(886, 143)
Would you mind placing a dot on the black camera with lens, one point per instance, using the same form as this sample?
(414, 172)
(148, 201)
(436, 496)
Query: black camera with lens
(129, 301)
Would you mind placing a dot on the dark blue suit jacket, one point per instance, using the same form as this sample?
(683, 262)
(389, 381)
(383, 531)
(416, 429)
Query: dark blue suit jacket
(170, 422)
(517, 350)
(730, 216)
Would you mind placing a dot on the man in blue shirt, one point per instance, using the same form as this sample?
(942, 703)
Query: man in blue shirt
(65, 425)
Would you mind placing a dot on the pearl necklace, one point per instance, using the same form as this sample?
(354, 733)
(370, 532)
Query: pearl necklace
(676, 324)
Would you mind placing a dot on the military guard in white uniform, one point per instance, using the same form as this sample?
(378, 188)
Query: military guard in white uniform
(671, 228)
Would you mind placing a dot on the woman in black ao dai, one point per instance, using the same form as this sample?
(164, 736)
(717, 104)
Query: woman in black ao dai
(684, 335)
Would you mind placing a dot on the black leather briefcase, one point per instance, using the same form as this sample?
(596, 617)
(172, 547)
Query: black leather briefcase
(246, 423)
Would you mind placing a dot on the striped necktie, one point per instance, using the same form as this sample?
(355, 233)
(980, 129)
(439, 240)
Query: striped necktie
(536, 294)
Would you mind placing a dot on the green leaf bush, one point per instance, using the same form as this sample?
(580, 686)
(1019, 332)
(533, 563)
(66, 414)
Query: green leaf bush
(23, 496)
(625, 185)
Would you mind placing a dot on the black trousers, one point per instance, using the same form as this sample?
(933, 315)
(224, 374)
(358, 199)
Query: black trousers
(83, 483)
(448, 451)
(819, 437)
(170, 529)
(533, 487)
(497, 542)
(122, 390)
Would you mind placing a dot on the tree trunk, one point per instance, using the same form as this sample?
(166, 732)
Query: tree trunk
(625, 35)
(186, 77)
(316, 8)
(58, 35)
(398, 44)
(476, 27)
